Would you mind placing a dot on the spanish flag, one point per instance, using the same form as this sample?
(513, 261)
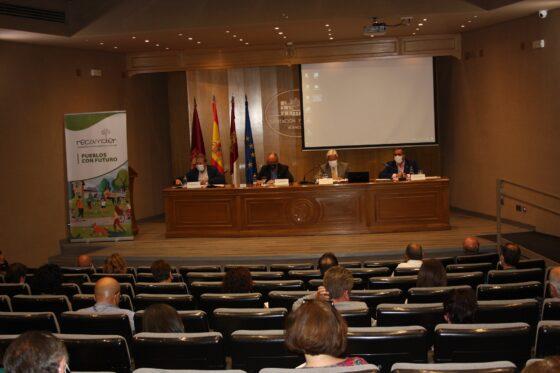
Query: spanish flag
(216, 160)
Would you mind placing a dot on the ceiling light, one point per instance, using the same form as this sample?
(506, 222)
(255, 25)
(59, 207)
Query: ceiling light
(327, 25)
(227, 31)
(146, 41)
(234, 36)
(329, 30)
(179, 34)
(198, 42)
(166, 48)
(115, 47)
(277, 28)
(469, 21)
(475, 16)
(372, 36)
(331, 38)
(157, 45)
(190, 38)
(101, 43)
(134, 37)
(413, 33)
(425, 20)
(280, 33)
(285, 37)
(417, 29)
(420, 24)
(240, 39)
(246, 43)
(462, 26)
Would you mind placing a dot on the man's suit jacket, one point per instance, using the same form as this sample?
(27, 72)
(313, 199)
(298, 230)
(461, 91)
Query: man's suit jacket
(391, 168)
(341, 167)
(214, 176)
(283, 172)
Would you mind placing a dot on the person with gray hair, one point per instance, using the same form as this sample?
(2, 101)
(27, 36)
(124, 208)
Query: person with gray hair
(554, 282)
(333, 168)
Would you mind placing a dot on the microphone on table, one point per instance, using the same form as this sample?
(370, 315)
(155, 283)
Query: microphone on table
(303, 182)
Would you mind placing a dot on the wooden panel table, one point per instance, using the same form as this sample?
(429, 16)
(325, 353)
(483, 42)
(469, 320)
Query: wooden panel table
(308, 209)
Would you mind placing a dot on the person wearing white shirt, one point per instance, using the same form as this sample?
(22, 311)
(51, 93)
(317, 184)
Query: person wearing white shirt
(413, 256)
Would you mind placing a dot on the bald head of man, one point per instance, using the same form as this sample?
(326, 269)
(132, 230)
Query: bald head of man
(414, 252)
(84, 261)
(554, 281)
(471, 245)
(107, 291)
(272, 159)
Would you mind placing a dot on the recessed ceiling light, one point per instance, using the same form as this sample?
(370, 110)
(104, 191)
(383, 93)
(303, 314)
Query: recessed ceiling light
(101, 43)
(246, 43)
(227, 31)
(285, 37)
(372, 36)
(475, 16)
(417, 29)
(327, 25)
(115, 47)
(190, 38)
(199, 42)
(331, 38)
(329, 30)
(280, 33)
(425, 20)
(240, 39)
(179, 34)
(462, 26)
(413, 33)
(469, 21)
(146, 41)
(420, 24)
(166, 48)
(157, 45)
(277, 28)
(134, 37)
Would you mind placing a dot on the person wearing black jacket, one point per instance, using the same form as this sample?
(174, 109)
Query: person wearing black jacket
(204, 173)
(399, 166)
(274, 170)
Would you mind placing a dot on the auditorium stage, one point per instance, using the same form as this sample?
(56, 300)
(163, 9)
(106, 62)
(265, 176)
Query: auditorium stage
(151, 244)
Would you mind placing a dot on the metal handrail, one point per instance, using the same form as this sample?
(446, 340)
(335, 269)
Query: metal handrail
(500, 195)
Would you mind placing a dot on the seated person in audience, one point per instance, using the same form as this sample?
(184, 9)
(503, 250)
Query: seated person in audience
(161, 270)
(203, 172)
(237, 280)
(107, 298)
(333, 168)
(114, 263)
(36, 351)
(274, 170)
(48, 280)
(326, 262)
(550, 364)
(471, 246)
(460, 306)
(554, 282)
(337, 285)
(162, 318)
(413, 256)
(3, 262)
(84, 261)
(318, 331)
(399, 166)
(431, 274)
(15, 274)
(510, 254)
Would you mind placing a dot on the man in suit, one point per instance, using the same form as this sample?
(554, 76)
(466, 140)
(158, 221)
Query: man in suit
(399, 166)
(274, 170)
(333, 168)
(203, 173)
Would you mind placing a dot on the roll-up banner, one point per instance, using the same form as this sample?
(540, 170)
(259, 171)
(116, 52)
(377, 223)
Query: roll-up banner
(99, 203)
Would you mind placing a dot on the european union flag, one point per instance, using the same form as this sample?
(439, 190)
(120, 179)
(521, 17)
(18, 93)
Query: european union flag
(250, 159)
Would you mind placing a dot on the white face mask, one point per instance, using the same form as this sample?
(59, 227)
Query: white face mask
(200, 167)
(332, 164)
(398, 159)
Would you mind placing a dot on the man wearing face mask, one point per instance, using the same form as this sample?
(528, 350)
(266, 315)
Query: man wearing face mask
(333, 168)
(399, 166)
(274, 170)
(204, 173)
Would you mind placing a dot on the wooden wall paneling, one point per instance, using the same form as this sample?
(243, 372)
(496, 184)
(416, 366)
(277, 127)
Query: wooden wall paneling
(179, 134)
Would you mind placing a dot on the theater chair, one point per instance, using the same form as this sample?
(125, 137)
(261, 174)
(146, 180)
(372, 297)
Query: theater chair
(355, 315)
(508, 311)
(431, 294)
(391, 264)
(349, 265)
(366, 368)
(179, 350)
(183, 270)
(478, 258)
(210, 301)
(148, 277)
(264, 287)
(95, 323)
(198, 288)
(531, 263)
(551, 309)
(304, 274)
(445, 261)
(375, 297)
(315, 283)
(286, 298)
(473, 279)
(250, 267)
(14, 289)
(41, 303)
(287, 267)
(193, 321)
(228, 320)
(77, 270)
(470, 267)
(80, 301)
(366, 273)
(520, 290)
(70, 289)
(19, 322)
(383, 346)
(120, 277)
(460, 343)
(148, 269)
(427, 315)
(204, 276)
(126, 288)
(548, 338)
(75, 278)
(510, 276)
(492, 367)
(161, 288)
(252, 350)
(129, 271)
(277, 275)
(404, 271)
(177, 301)
(96, 352)
(393, 282)
(5, 303)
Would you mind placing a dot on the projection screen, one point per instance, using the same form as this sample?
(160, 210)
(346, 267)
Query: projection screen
(368, 103)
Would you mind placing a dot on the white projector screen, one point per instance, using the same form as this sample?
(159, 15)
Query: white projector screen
(369, 103)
